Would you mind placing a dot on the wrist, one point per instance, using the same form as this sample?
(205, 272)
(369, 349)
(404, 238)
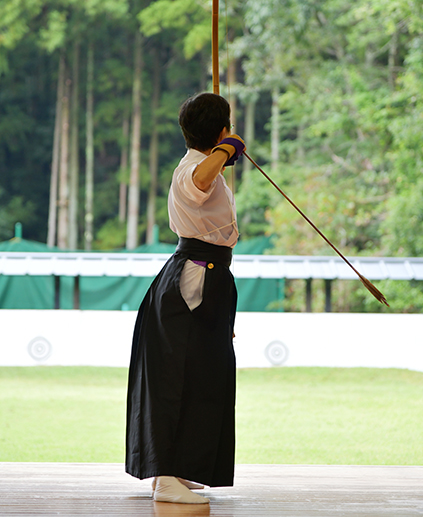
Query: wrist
(227, 148)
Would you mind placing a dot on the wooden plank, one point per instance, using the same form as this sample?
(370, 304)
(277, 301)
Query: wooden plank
(260, 490)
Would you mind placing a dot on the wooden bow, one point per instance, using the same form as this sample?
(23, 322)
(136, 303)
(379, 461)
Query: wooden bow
(215, 46)
(215, 69)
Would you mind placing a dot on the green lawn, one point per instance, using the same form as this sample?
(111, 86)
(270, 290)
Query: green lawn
(336, 416)
(284, 415)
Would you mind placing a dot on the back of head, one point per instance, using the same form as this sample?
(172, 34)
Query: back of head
(202, 118)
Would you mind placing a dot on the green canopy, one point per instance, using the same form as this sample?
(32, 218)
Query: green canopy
(18, 244)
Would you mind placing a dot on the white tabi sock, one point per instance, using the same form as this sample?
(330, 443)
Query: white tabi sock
(170, 490)
(189, 484)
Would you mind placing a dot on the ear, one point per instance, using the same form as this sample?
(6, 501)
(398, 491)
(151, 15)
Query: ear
(223, 134)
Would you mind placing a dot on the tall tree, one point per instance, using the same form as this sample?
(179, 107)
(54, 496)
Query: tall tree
(63, 216)
(249, 133)
(123, 184)
(134, 179)
(275, 134)
(74, 150)
(89, 150)
(54, 176)
(154, 147)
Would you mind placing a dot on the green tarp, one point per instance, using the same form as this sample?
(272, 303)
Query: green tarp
(26, 292)
(122, 293)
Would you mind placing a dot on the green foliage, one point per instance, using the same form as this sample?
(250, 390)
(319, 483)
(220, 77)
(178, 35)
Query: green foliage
(403, 297)
(351, 79)
(15, 18)
(190, 18)
(111, 236)
(252, 201)
(12, 211)
(53, 35)
(404, 222)
(350, 83)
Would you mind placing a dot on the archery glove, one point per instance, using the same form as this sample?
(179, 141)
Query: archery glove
(234, 146)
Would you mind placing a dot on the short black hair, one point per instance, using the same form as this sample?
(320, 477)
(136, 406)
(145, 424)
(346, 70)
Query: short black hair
(202, 118)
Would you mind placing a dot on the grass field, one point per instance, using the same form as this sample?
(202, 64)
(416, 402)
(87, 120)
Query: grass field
(284, 415)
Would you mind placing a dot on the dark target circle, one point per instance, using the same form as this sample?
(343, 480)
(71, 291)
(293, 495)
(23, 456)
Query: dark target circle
(39, 348)
(276, 352)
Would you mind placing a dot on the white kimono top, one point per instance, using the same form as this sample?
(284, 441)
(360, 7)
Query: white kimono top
(208, 216)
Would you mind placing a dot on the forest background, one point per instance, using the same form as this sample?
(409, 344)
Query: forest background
(328, 95)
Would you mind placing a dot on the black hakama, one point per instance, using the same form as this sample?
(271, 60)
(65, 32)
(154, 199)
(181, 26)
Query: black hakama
(181, 386)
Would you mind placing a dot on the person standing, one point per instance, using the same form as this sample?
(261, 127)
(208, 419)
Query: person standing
(181, 383)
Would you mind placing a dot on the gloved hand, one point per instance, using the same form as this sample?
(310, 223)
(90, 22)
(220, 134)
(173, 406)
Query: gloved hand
(234, 146)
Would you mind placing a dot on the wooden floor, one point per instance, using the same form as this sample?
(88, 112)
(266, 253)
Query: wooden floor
(260, 490)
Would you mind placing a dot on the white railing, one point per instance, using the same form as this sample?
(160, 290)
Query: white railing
(244, 266)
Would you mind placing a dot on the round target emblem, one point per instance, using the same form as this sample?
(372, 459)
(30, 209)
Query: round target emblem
(276, 352)
(39, 349)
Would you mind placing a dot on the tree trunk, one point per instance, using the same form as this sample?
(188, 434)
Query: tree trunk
(123, 185)
(52, 214)
(393, 60)
(232, 102)
(249, 131)
(275, 129)
(204, 70)
(154, 150)
(89, 151)
(231, 81)
(134, 179)
(63, 222)
(301, 153)
(74, 152)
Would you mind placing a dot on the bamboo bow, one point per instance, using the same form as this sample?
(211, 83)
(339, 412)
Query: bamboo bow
(215, 46)
(215, 69)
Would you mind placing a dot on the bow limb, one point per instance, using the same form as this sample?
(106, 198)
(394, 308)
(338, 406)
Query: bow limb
(215, 46)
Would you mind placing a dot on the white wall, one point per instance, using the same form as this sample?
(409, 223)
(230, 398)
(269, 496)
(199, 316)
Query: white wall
(103, 338)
